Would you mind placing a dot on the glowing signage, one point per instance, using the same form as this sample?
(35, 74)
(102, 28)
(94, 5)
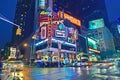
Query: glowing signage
(76, 34)
(43, 32)
(42, 4)
(44, 13)
(92, 43)
(118, 26)
(98, 23)
(93, 50)
(43, 17)
(55, 40)
(59, 33)
(70, 18)
(49, 27)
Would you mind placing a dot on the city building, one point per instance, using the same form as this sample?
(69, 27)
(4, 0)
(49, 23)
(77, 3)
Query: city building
(22, 33)
(58, 35)
(100, 39)
(24, 17)
(115, 29)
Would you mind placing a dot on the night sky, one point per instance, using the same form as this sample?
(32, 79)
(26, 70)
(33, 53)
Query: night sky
(7, 9)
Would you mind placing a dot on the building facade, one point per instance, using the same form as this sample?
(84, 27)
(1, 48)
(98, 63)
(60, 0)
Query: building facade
(115, 28)
(24, 17)
(103, 41)
(57, 33)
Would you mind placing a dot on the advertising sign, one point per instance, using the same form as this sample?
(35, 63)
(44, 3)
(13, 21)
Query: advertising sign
(42, 4)
(12, 52)
(59, 33)
(98, 23)
(43, 16)
(43, 32)
(54, 28)
(71, 35)
(70, 18)
(92, 43)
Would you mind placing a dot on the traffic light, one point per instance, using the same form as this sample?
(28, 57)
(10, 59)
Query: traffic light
(18, 31)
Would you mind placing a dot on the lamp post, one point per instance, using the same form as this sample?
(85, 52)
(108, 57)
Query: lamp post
(32, 47)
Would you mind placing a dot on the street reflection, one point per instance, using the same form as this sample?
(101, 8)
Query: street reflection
(67, 73)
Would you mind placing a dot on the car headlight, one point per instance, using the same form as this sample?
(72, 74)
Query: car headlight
(15, 66)
(21, 65)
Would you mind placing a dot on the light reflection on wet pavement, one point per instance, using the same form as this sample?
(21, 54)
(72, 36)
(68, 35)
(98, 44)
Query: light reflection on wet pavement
(69, 73)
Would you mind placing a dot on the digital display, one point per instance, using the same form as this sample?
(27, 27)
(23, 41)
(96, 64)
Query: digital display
(98, 23)
(70, 18)
(92, 43)
(42, 4)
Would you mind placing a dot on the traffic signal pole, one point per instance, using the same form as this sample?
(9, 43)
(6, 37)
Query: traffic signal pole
(9, 21)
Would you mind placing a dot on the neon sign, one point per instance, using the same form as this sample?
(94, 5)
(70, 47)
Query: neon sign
(70, 18)
(93, 50)
(42, 4)
(59, 33)
(44, 13)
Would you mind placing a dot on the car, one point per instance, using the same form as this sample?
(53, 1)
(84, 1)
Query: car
(39, 63)
(89, 63)
(17, 65)
(79, 63)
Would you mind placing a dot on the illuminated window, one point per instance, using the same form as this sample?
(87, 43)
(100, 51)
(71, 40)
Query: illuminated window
(21, 18)
(21, 14)
(21, 24)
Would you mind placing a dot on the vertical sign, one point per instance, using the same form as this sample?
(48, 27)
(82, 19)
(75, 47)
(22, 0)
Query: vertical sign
(49, 26)
(43, 32)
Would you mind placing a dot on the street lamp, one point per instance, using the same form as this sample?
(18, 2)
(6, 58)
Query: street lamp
(25, 44)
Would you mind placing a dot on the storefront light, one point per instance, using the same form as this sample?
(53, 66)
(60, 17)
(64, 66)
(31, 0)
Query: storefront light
(55, 40)
(41, 42)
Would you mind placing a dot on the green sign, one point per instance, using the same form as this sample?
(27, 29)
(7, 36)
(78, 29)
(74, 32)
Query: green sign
(98, 23)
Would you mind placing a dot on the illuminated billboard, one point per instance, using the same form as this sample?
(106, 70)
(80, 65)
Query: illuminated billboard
(42, 4)
(98, 23)
(118, 26)
(70, 18)
(92, 43)
(43, 17)
(43, 32)
(59, 33)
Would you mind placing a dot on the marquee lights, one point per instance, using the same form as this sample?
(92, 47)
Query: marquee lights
(55, 40)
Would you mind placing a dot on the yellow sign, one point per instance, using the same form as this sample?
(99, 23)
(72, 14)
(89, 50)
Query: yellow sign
(70, 18)
(43, 13)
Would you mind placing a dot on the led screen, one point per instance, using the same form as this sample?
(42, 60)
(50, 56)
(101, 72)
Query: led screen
(92, 43)
(98, 23)
(42, 4)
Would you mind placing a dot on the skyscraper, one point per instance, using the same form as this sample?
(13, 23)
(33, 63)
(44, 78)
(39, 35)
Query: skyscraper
(115, 28)
(24, 17)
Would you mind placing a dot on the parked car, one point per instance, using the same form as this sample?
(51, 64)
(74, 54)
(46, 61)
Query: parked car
(39, 63)
(16, 65)
(79, 63)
